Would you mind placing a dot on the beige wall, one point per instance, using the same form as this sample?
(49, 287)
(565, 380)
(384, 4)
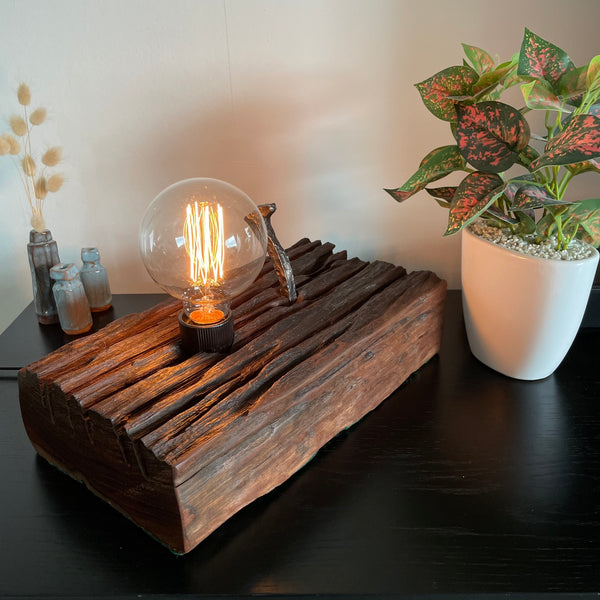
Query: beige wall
(306, 103)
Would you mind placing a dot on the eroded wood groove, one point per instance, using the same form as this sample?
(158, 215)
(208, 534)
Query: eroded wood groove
(85, 349)
(284, 332)
(178, 443)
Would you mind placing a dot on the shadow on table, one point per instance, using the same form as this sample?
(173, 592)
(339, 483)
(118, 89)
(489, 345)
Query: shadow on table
(291, 538)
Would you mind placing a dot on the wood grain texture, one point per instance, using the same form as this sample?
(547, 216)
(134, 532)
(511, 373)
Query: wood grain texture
(179, 444)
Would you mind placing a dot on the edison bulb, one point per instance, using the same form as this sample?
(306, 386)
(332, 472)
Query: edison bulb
(203, 241)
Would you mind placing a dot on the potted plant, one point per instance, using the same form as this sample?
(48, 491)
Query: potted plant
(528, 247)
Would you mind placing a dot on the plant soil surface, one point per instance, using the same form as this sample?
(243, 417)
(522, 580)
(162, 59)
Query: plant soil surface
(527, 244)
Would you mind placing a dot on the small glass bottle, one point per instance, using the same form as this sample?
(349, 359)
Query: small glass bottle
(95, 280)
(71, 302)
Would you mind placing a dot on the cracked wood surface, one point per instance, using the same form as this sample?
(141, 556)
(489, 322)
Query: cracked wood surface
(179, 444)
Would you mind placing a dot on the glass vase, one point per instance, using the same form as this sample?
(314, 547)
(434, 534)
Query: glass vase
(42, 251)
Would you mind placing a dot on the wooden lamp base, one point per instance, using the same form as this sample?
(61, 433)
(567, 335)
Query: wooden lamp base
(179, 444)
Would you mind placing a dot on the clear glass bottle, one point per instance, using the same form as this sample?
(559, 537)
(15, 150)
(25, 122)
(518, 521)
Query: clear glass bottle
(71, 302)
(95, 280)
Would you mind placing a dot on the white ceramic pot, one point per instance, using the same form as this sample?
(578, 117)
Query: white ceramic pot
(521, 312)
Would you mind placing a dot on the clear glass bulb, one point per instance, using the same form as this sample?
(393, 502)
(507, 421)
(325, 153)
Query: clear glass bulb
(203, 241)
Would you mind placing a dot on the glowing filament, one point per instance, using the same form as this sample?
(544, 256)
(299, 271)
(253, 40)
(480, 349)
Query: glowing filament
(205, 243)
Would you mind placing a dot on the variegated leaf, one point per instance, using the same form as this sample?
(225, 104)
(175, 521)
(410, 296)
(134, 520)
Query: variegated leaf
(572, 85)
(538, 95)
(590, 165)
(512, 186)
(489, 80)
(491, 135)
(513, 78)
(445, 193)
(539, 59)
(527, 156)
(526, 221)
(545, 224)
(442, 195)
(592, 110)
(587, 214)
(530, 197)
(593, 74)
(486, 86)
(437, 164)
(453, 129)
(436, 91)
(482, 62)
(578, 142)
(473, 196)
(500, 216)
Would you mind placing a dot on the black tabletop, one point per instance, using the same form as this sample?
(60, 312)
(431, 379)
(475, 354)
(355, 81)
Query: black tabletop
(463, 482)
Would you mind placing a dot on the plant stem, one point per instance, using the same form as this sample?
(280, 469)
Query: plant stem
(559, 232)
(30, 183)
(557, 121)
(24, 181)
(563, 184)
(547, 125)
(572, 236)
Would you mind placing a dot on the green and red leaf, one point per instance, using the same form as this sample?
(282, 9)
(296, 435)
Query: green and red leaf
(513, 78)
(489, 80)
(593, 74)
(437, 91)
(587, 214)
(539, 59)
(584, 167)
(537, 94)
(482, 62)
(491, 135)
(500, 216)
(530, 197)
(437, 164)
(445, 193)
(545, 224)
(572, 85)
(513, 185)
(525, 194)
(526, 222)
(527, 156)
(473, 196)
(578, 142)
